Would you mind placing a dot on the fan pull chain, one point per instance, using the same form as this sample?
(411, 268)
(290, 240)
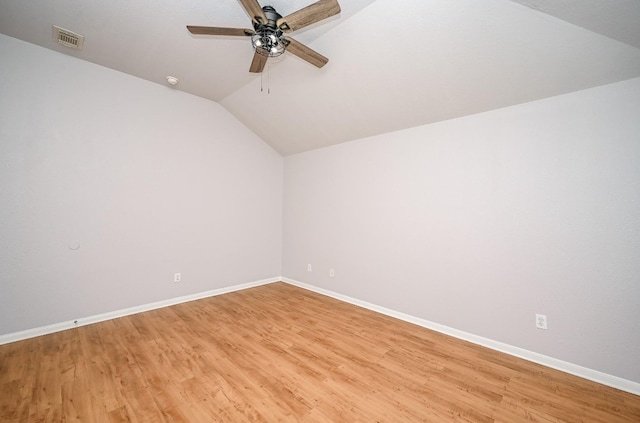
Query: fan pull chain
(268, 79)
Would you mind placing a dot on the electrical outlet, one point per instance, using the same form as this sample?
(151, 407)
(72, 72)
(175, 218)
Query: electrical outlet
(541, 321)
(177, 277)
(332, 272)
(308, 268)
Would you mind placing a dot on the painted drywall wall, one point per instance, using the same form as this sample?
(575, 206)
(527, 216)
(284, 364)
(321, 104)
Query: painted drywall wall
(110, 184)
(481, 222)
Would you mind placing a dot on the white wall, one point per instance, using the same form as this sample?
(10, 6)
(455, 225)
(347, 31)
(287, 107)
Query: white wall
(147, 180)
(481, 222)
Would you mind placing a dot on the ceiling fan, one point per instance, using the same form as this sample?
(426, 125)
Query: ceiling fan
(269, 27)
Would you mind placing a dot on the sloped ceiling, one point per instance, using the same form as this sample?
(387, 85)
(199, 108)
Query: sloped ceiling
(393, 64)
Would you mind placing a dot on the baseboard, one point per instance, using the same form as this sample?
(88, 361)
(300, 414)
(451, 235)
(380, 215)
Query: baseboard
(57, 327)
(583, 372)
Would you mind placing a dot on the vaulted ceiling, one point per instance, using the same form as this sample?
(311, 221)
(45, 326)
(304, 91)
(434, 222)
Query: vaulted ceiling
(393, 64)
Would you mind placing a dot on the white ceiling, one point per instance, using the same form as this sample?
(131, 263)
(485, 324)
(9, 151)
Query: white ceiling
(393, 64)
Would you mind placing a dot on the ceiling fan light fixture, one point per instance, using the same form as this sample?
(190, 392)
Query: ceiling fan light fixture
(268, 39)
(268, 42)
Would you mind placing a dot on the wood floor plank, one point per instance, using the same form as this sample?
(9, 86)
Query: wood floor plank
(278, 353)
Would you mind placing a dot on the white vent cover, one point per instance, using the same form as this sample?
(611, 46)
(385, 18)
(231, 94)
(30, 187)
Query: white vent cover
(68, 38)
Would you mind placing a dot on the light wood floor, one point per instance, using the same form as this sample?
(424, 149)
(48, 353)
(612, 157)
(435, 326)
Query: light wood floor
(280, 353)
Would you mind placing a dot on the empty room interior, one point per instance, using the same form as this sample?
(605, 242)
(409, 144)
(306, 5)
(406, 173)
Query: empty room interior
(288, 210)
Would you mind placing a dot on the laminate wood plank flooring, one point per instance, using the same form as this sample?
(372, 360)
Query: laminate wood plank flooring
(279, 353)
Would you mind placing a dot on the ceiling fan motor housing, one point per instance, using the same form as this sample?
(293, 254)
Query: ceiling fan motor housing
(272, 16)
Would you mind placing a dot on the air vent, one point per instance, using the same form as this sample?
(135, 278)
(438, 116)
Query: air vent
(68, 38)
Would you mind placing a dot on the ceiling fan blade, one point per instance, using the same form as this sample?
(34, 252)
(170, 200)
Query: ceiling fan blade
(212, 30)
(257, 65)
(305, 53)
(254, 10)
(311, 14)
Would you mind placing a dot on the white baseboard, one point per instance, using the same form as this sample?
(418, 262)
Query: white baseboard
(57, 327)
(574, 369)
